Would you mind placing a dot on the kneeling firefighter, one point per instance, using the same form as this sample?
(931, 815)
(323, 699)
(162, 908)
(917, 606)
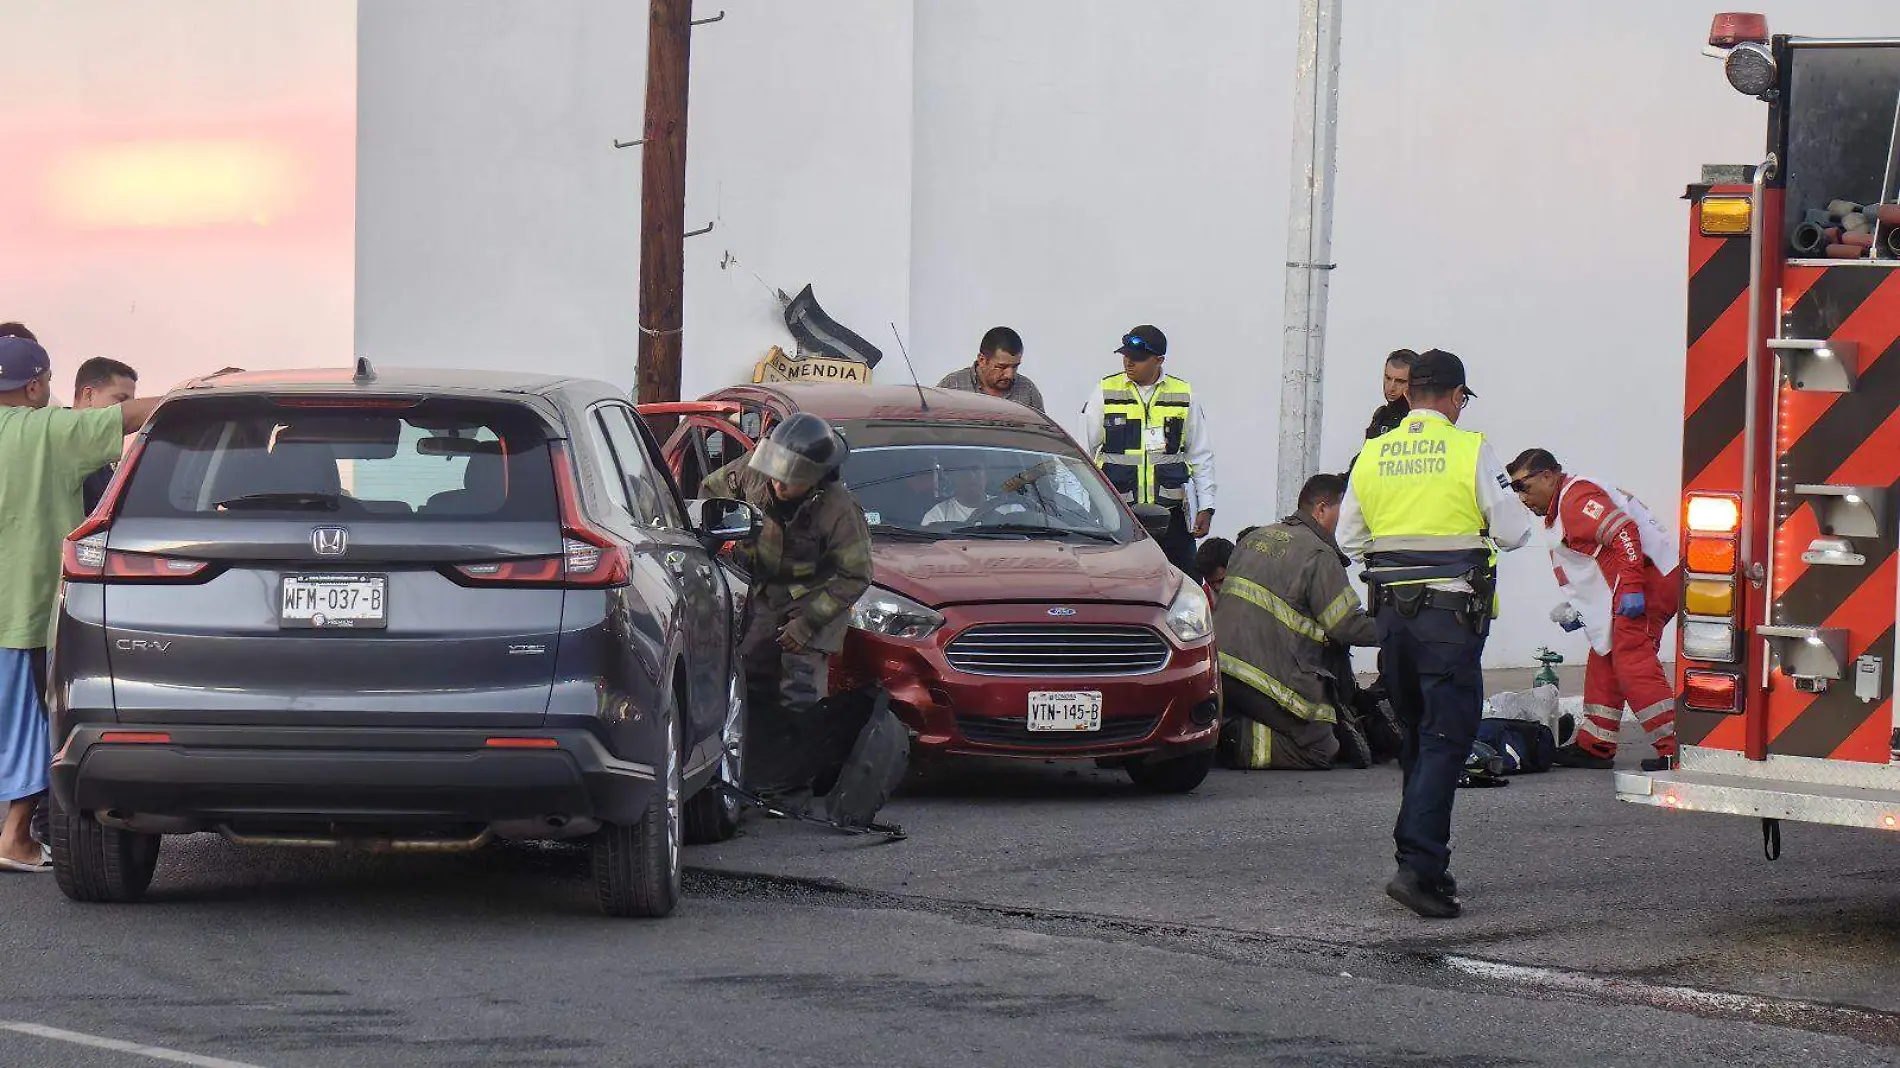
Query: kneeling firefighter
(808, 566)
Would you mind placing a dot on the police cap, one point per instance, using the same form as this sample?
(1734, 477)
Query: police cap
(1436, 369)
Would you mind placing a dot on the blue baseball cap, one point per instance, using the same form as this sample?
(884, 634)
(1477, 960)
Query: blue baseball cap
(21, 362)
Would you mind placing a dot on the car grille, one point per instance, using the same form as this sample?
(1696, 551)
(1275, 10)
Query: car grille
(1049, 651)
(1014, 730)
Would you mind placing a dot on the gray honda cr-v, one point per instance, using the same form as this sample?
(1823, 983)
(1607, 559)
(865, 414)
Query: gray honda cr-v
(402, 610)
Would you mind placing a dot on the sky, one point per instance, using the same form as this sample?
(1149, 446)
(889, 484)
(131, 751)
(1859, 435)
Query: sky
(180, 187)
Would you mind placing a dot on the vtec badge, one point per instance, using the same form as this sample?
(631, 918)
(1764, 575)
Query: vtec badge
(1064, 612)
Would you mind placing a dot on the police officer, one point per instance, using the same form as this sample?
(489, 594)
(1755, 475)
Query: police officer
(1427, 509)
(808, 566)
(1150, 437)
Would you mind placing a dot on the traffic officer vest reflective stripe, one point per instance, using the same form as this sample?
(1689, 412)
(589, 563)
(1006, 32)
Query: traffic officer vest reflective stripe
(1418, 489)
(1140, 474)
(1278, 691)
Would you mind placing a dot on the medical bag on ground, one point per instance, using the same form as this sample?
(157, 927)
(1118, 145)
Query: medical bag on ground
(1523, 746)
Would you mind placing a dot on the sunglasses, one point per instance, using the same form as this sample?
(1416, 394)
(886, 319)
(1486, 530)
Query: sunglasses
(1142, 351)
(1518, 485)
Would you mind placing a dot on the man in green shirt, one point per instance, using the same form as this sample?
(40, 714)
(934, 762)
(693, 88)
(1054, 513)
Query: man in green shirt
(46, 453)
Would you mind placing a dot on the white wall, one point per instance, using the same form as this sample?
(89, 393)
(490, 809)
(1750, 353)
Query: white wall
(799, 152)
(1509, 176)
(500, 228)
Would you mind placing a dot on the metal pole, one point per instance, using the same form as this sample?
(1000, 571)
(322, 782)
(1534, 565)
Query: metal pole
(663, 200)
(1309, 245)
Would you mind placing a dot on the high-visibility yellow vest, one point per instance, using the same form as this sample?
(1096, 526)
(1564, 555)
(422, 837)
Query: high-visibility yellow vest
(1144, 445)
(1418, 489)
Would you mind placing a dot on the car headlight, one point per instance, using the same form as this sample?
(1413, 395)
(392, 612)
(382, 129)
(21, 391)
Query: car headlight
(894, 615)
(1188, 616)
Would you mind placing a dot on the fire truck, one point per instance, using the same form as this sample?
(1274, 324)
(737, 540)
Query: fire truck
(1791, 448)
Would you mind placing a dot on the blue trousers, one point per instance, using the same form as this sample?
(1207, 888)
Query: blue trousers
(1430, 664)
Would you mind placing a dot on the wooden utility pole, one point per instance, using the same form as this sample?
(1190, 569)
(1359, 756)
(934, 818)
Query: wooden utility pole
(663, 200)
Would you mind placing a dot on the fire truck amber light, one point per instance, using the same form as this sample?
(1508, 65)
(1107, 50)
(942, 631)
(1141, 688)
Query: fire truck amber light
(1708, 597)
(1710, 691)
(136, 738)
(1714, 515)
(1726, 216)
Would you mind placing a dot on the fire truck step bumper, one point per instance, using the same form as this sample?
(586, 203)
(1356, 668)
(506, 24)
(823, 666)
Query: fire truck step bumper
(1801, 789)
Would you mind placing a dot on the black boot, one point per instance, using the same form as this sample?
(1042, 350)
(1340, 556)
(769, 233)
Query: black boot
(1570, 756)
(1434, 901)
(1354, 750)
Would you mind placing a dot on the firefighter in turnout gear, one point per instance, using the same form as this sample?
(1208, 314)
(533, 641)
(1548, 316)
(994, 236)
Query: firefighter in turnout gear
(1286, 608)
(1605, 547)
(1427, 509)
(1150, 437)
(809, 565)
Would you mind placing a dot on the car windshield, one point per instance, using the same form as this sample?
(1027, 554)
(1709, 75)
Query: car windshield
(985, 491)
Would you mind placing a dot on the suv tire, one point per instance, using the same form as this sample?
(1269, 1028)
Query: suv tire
(1176, 776)
(713, 815)
(97, 863)
(637, 867)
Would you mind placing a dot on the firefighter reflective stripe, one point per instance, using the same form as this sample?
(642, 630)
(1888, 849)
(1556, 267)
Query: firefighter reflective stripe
(1276, 690)
(1420, 483)
(1343, 606)
(1144, 446)
(1261, 597)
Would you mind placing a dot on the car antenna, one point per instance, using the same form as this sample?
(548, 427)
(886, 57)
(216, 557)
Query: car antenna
(921, 402)
(364, 372)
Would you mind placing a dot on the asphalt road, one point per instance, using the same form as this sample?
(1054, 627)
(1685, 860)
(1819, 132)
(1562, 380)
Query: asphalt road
(1037, 916)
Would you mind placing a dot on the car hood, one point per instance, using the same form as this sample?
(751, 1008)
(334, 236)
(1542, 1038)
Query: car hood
(963, 571)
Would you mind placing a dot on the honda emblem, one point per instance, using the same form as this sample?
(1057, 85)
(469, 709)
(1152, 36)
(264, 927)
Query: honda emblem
(329, 541)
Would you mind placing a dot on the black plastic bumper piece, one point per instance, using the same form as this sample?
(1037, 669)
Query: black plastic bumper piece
(249, 775)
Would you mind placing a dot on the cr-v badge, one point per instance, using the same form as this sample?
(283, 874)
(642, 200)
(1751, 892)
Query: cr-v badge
(329, 541)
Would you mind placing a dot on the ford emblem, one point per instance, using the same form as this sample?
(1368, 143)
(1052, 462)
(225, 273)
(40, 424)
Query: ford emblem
(1061, 611)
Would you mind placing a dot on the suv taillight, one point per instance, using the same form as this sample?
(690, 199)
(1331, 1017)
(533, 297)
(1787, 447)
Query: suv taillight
(590, 558)
(85, 558)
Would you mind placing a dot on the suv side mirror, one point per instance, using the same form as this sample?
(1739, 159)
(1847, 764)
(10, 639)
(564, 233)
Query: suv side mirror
(722, 519)
(1153, 518)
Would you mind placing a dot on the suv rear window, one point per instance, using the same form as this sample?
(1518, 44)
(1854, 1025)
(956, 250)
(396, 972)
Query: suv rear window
(439, 459)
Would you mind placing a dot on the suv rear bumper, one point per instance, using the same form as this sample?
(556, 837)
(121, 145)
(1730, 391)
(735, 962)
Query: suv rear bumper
(203, 778)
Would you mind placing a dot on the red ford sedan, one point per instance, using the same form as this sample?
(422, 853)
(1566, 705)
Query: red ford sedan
(1018, 607)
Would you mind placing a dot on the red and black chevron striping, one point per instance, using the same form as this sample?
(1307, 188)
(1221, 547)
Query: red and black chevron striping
(1848, 438)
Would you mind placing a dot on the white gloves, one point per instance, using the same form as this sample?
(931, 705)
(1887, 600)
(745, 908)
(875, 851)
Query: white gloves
(1566, 616)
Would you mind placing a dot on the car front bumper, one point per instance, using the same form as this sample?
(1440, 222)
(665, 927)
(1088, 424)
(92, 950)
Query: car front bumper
(1169, 712)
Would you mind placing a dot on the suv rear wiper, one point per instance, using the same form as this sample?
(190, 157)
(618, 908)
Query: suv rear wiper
(905, 532)
(318, 502)
(1031, 530)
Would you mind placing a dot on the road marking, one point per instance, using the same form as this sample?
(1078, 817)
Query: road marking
(156, 1053)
